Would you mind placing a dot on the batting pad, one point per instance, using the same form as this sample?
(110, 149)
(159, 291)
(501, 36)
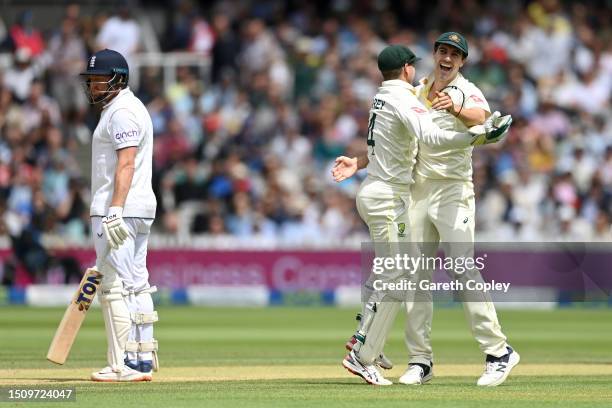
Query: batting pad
(145, 347)
(139, 318)
(376, 335)
(142, 329)
(116, 321)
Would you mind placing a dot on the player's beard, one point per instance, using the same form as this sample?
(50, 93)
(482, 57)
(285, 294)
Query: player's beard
(98, 98)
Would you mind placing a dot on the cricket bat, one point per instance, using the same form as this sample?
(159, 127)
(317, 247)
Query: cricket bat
(73, 317)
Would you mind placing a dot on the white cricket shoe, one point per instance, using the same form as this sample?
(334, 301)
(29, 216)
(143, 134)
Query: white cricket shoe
(497, 369)
(126, 374)
(368, 372)
(416, 374)
(382, 361)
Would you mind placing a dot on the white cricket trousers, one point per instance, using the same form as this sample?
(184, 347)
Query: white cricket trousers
(125, 293)
(129, 261)
(442, 211)
(383, 207)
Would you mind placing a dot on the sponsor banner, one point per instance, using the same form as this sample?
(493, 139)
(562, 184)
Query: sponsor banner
(49, 295)
(17, 295)
(248, 296)
(502, 272)
(348, 296)
(52, 295)
(239, 296)
(303, 298)
(567, 267)
(285, 271)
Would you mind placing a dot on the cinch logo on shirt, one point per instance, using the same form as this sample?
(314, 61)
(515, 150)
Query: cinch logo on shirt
(126, 135)
(418, 110)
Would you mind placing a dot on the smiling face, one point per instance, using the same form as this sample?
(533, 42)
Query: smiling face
(448, 60)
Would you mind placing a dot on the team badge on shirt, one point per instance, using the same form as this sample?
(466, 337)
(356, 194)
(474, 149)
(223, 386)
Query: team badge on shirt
(401, 228)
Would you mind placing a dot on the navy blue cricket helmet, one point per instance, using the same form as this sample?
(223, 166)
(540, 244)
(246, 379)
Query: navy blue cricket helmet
(108, 63)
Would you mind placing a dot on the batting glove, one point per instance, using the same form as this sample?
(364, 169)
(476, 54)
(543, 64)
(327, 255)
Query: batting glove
(494, 129)
(115, 229)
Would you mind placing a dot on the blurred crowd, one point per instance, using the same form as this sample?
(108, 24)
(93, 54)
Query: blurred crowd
(246, 152)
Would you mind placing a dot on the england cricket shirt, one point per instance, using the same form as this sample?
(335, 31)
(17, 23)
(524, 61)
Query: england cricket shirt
(124, 122)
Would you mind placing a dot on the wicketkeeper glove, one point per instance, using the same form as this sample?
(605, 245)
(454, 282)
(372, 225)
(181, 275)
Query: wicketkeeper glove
(494, 129)
(115, 229)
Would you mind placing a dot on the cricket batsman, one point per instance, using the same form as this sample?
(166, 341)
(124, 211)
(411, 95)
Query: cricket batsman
(122, 212)
(398, 123)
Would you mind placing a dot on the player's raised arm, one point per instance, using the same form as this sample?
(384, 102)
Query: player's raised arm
(419, 120)
(416, 118)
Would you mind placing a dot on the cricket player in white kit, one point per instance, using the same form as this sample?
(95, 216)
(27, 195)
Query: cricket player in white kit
(122, 212)
(443, 211)
(398, 122)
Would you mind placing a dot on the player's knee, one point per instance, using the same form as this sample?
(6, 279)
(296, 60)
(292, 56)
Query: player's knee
(111, 286)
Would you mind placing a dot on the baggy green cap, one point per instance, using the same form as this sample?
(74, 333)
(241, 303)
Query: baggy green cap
(454, 39)
(395, 56)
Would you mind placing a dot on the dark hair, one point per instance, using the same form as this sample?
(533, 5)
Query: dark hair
(392, 74)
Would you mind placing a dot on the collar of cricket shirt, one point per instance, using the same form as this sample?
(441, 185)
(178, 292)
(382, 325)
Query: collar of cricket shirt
(398, 82)
(119, 95)
(427, 83)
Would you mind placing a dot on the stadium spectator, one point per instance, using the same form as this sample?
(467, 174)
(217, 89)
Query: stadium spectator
(245, 152)
(68, 54)
(120, 33)
(225, 48)
(23, 35)
(39, 109)
(19, 78)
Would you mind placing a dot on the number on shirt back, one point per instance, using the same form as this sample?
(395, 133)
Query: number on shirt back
(371, 132)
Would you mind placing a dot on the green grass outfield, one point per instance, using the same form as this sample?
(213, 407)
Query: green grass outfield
(291, 357)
